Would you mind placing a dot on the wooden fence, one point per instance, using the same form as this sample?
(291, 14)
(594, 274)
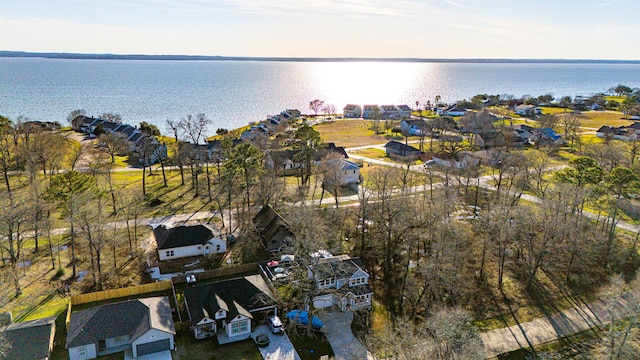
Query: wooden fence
(115, 293)
(122, 292)
(220, 272)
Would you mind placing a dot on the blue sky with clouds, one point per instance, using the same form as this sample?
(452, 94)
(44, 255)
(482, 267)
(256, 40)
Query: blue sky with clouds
(569, 29)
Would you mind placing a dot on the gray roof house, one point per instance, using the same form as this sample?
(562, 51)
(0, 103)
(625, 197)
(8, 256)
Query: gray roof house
(227, 308)
(400, 151)
(30, 340)
(136, 327)
(344, 281)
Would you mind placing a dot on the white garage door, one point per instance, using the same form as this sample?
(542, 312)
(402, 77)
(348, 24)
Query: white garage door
(324, 301)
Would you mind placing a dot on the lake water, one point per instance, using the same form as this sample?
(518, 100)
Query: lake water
(234, 93)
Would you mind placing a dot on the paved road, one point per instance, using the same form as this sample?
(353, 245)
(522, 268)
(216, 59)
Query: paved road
(552, 327)
(345, 345)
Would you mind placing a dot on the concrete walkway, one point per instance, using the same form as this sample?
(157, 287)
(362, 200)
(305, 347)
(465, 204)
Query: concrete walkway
(552, 327)
(337, 327)
(279, 348)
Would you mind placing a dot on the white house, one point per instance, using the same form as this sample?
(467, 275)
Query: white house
(342, 171)
(227, 308)
(352, 111)
(526, 110)
(187, 240)
(451, 111)
(141, 327)
(343, 281)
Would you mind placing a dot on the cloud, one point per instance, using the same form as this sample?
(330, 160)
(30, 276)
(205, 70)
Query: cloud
(604, 4)
(451, 2)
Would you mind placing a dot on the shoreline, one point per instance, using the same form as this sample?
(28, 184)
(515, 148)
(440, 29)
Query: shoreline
(146, 57)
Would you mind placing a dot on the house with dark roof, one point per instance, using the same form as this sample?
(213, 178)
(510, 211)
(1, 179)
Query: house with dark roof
(187, 240)
(228, 309)
(136, 327)
(29, 340)
(273, 229)
(352, 111)
(343, 281)
(626, 133)
(400, 151)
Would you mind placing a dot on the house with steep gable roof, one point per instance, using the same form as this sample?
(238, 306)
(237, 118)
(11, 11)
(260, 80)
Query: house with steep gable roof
(187, 240)
(273, 229)
(136, 327)
(228, 309)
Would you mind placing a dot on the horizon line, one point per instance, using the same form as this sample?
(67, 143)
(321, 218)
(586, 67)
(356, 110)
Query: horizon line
(112, 56)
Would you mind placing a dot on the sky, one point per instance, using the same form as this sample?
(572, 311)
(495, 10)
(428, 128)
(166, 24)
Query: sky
(496, 29)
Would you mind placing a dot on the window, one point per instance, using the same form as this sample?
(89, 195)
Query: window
(239, 327)
(326, 282)
(357, 281)
(200, 247)
(169, 253)
(82, 351)
(218, 248)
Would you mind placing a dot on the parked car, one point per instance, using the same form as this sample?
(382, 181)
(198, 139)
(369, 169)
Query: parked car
(275, 324)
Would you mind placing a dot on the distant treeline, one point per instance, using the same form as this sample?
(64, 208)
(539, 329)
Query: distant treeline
(49, 55)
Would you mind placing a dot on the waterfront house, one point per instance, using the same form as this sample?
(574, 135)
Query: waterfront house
(389, 112)
(370, 110)
(404, 111)
(352, 111)
(136, 327)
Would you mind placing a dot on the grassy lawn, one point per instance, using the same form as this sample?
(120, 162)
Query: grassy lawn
(373, 153)
(350, 133)
(596, 119)
(188, 348)
(309, 348)
(553, 110)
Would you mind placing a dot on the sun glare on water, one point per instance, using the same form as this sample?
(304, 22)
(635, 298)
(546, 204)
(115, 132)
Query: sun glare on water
(368, 82)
